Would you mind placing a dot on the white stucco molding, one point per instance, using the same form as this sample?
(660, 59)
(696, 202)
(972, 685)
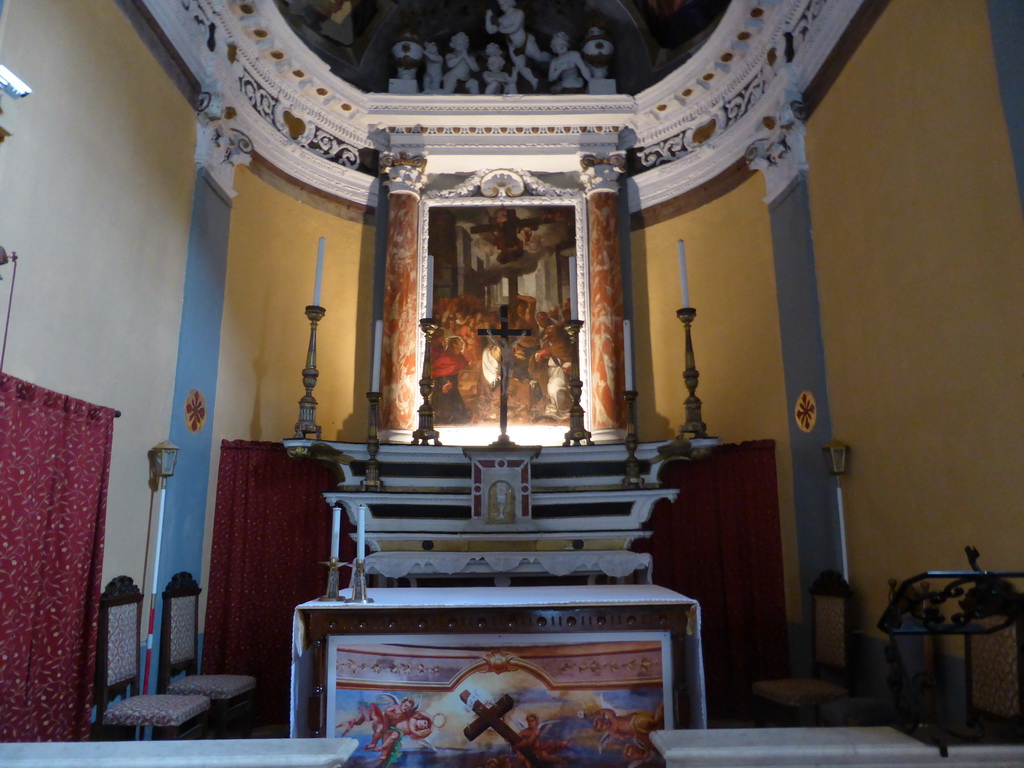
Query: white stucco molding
(685, 130)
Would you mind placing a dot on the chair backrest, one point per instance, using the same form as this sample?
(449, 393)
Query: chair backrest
(180, 629)
(118, 642)
(830, 599)
(994, 670)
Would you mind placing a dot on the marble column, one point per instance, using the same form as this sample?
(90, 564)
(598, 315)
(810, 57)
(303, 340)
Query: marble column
(401, 292)
(600, 177)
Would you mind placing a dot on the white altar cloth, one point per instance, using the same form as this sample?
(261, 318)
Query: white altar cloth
(212, 753)
(387, 599)
(826, 747)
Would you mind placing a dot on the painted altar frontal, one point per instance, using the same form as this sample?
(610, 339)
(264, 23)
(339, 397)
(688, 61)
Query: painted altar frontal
(501, 701)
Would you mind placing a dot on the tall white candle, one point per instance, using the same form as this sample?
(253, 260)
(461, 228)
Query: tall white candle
(335, 531)
(428, 307)
(574, 299)
(627, 337)
(319, 273)
(361, 533)
(378, 341)
(682, 275)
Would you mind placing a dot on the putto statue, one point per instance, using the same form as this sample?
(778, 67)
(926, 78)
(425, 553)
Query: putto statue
(433, 68)
(461, 66)
(567, 71)
(521, 44)
(496, 79)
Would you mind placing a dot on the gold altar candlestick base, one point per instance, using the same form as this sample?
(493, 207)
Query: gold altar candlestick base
(694, 424)
(577, 434)
(359, 584)
(371, 477)
(632, 478)
(426, 432)
(306, 425)
(332, 595)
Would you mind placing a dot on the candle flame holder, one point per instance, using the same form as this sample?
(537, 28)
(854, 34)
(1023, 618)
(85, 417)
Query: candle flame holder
(332, 595)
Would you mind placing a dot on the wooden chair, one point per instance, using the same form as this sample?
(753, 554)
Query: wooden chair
(117, 674)
(831, 653)
(231, 696)
(995, 674)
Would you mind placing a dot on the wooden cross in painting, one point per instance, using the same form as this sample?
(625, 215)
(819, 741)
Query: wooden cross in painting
(504, 333)
(489, 717)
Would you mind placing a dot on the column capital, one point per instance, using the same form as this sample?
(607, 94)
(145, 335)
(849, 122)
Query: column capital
(220, 147)
(781, 155)
(406, 173)
(601, 174)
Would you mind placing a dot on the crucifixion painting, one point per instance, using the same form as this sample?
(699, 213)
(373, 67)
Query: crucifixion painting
(488, 257)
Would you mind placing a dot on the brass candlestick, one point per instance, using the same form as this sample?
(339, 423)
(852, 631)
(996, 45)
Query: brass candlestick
(332, 594)
(359, 584)
(694, 424)
(426, 432)
(371, 477)
(632, 478)
(577, 434)
(306, 425)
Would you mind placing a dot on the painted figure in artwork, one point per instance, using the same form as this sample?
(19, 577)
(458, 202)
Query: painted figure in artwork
(447, 361)
(530, 740)
(632, 731)
(398, 719)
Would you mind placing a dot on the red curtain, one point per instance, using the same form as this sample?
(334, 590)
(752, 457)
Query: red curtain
(720, 544)
(271, 527)
(54, 467)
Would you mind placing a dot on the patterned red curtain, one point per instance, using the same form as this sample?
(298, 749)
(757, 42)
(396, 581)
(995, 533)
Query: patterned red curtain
(54, 467)
(720, 544)
(271, 527)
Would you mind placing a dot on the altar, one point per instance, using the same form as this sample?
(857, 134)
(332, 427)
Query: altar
(462, 675)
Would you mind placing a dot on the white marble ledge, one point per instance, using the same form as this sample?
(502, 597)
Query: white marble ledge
(212, 753)
(825, 747)
(496, 597)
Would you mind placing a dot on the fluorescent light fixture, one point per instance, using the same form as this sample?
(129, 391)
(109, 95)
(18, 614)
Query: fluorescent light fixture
(13, 85)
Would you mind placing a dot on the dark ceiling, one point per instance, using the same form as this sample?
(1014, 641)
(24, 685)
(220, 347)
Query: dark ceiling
(354, 37)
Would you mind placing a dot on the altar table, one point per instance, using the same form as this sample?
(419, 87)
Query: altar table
(846, 747)
(212, 753)
(518, 627)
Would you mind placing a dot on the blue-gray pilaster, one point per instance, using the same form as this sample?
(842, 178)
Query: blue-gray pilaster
(198, 355)
(1006, 18)
(803, 358)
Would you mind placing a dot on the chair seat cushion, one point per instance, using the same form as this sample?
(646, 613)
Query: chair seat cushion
(799, 692)
(157, 710)
(214, 686)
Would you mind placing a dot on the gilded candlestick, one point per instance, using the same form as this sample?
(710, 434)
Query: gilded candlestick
(306, 425)
(694, 424)
(371, 477)
(577, 434)
(426, 432)
(632, 478)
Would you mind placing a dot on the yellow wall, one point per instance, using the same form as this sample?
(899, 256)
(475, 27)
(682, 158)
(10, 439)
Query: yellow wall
(265, 333)
(918, 240)
(738, 352)
(96, 190)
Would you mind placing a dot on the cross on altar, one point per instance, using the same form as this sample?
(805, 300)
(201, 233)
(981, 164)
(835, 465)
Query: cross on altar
(504, 333)
(490, 717)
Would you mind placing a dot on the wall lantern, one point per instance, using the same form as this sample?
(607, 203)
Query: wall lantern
(836, 454)
(162, 458)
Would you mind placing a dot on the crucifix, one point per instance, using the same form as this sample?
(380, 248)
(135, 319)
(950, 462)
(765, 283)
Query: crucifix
(490, 717)
(504, 333)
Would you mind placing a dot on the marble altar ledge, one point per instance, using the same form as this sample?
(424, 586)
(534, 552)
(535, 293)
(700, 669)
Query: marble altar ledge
(214, 753)
(825, 747)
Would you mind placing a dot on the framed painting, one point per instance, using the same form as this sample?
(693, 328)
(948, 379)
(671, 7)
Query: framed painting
(496, 260)
(497, 701)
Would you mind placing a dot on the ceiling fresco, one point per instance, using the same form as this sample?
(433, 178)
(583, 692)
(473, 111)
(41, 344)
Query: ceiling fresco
(355, 37)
